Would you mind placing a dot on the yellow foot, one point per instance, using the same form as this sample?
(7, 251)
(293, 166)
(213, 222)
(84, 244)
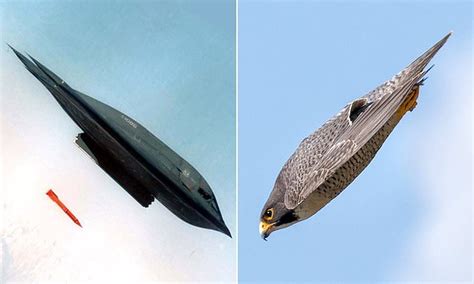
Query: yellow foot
(410, 102)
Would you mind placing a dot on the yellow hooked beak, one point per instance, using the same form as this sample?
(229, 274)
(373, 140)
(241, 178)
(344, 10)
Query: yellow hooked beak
(265, 229)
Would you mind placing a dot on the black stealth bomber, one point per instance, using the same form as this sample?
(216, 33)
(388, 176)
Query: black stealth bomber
(137, 160)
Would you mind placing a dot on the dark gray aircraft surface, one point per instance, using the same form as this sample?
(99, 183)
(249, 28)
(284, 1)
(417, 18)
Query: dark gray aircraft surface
(141, 163)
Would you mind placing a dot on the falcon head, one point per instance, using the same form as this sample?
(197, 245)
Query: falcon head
(275, 215)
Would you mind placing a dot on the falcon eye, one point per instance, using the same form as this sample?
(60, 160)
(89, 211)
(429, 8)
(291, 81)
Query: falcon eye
(268, 214)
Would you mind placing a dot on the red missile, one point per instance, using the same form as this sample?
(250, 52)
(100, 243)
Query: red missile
(55, 198)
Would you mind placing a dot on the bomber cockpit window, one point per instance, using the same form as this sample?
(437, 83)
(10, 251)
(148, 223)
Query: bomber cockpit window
(207, 195)
(187, 179)
(204, 194)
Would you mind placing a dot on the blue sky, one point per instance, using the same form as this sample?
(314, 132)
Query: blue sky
(168, 64)
(408, 216)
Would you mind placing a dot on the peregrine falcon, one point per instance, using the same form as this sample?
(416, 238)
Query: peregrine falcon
(328, 160)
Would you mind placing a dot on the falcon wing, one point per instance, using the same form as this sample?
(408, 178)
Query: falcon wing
(303, 161)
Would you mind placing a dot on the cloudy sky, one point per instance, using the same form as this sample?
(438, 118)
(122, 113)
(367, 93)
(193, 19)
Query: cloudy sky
(170, 66)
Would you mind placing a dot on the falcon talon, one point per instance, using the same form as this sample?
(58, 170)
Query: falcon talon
(328, 160)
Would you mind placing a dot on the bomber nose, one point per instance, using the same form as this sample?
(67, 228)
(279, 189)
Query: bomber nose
(226, 231)
(222, 226)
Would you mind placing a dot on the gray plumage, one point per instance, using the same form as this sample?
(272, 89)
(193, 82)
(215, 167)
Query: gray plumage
(329, 159)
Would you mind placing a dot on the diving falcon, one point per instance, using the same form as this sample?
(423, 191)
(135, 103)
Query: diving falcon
(329, 159)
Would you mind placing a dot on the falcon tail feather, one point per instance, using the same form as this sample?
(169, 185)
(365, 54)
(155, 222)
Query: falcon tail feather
(420, 63)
